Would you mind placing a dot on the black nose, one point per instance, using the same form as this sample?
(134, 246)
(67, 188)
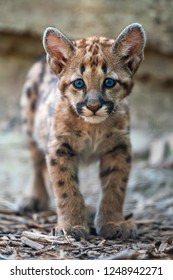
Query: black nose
(94, 105)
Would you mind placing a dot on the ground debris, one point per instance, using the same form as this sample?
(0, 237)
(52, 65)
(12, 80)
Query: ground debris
(24, 238)
(44, 239)
(31, 243)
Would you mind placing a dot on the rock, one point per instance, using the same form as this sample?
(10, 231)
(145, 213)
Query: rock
(161, 151)
(88, 17)
(140, 142)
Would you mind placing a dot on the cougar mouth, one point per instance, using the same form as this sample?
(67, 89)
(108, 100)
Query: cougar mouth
(94, 113)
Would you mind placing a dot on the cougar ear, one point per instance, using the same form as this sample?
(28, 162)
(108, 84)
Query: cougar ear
(58, 47)
(129, 46)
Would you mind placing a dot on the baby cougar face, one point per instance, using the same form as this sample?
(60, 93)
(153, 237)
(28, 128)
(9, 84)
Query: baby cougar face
(92, 84)
(95, 74)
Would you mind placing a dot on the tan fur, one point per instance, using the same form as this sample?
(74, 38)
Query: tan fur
(66, 125)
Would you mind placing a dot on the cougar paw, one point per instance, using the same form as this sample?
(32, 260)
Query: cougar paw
(31, 204)
(123, 230)
(77, 232)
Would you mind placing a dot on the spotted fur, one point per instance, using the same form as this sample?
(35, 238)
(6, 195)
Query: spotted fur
(67, 125)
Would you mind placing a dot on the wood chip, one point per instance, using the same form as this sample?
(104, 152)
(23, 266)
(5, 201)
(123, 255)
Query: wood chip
(31, 243)
(43, 238)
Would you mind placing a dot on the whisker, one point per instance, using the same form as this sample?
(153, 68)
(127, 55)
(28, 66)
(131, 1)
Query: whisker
(69, 106)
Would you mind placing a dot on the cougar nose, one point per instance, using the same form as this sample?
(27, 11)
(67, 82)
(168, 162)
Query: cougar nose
(94, 105)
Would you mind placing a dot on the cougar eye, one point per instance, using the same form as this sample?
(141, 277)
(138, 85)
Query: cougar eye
(79, 84)
(109, 83)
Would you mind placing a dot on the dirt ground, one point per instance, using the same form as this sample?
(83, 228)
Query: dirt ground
(149, 201)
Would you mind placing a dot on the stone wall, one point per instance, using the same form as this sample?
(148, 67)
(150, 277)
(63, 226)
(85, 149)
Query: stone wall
(87, 17)
(23, 22)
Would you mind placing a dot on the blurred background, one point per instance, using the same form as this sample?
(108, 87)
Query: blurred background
(21, 27)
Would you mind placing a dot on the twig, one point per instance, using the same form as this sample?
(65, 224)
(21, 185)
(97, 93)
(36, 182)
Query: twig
(31, 243)
(43, 238)
(66, 237)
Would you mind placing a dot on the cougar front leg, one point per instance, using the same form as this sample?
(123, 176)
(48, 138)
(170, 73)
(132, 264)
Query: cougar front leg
(63, 170)
(114, 172)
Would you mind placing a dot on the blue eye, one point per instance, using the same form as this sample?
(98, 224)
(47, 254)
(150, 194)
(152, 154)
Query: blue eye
(109, 83)
(79, 84)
